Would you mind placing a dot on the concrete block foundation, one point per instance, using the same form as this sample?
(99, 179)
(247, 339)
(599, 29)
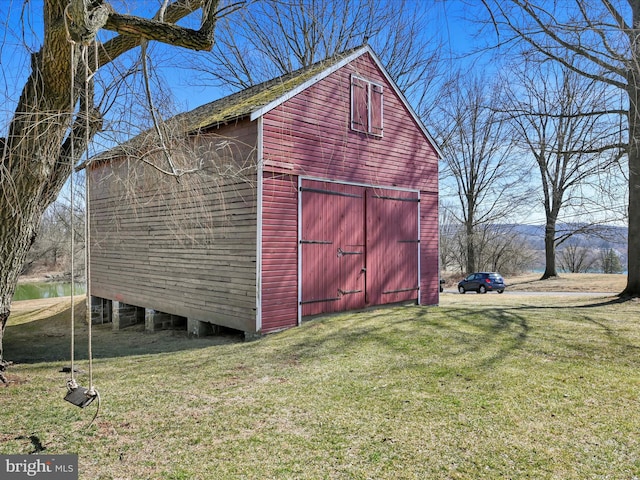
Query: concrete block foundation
(100, 311)
(198, 328)
(155, 320)
(124, 315)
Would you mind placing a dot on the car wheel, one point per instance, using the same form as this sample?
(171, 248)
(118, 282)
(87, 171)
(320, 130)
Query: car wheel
(500, 291)
(461, 289)
(482, 289)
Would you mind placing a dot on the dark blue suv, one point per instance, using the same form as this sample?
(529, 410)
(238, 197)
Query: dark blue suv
(482, 282)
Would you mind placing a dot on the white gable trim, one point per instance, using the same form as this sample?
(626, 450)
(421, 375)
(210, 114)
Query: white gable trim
(313, 80)
(325, 73)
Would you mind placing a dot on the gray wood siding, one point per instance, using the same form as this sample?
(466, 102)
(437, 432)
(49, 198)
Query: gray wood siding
(184, 247)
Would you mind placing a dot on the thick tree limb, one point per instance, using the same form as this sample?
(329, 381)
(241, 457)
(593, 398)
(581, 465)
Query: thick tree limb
(161, 31)
(172, 13)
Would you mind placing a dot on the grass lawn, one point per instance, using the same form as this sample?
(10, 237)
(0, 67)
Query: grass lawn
(484, 386)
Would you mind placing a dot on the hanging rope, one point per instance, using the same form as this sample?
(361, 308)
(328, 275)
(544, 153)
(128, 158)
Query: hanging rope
(71, 383)
(87, 78)
(77, 395)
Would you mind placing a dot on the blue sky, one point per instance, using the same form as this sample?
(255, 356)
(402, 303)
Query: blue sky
(24, 28)
(451, 21)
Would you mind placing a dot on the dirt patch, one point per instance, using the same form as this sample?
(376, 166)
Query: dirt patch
(8, 380)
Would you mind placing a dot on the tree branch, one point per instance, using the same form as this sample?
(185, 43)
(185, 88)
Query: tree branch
(162, 32)
(548, 30)
(174, 12)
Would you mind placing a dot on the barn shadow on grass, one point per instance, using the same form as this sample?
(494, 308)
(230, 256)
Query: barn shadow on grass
(48, 339)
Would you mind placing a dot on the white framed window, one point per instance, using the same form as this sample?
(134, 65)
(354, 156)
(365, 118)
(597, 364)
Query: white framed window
(366, 106)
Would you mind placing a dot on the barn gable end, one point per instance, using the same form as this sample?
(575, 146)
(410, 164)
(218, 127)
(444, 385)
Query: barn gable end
(309, 136)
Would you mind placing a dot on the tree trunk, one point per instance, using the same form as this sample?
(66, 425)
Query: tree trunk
(16, 237)
(4, 316)
(633, 90)
(633, 255)
(633, 247)
(550, 250)
(471, 250)
(34, 167)
(35, 157)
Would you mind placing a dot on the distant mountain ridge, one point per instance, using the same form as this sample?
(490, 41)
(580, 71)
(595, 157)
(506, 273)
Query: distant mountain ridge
(597, 237)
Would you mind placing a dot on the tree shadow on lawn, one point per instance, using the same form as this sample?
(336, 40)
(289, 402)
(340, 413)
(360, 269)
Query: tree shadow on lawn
(614, 337)
(413, 330)
(49, 339)
(487, 335)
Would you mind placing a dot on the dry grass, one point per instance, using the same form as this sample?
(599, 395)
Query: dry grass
(569, 282)
(566, 282)
(484, 386)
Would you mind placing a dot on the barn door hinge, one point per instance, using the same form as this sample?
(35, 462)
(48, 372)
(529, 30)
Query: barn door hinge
(348, 292)
(330, 192)
(342, 252)
(317, 242)
(401, 290)
(304, 302)
(399, 199)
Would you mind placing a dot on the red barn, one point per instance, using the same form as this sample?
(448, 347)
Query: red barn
(318, 193)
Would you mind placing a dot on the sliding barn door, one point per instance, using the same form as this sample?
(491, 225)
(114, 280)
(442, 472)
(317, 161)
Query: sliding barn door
(358, 246)
(392, 246)
(332, 245)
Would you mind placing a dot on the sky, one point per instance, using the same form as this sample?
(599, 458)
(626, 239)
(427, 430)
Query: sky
(452, 22)
(24, 28)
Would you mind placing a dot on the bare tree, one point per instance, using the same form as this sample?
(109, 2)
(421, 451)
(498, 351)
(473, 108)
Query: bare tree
(561, 119)
(478, 158)
(503, 249)
(51, 250)
(56, 115)
(449, 231)
(576, 258)
(603, 35)
(274, 37)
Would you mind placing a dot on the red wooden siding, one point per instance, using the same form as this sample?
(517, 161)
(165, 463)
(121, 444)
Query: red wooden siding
(187, 248)
(429, 266)
(310, 135)
(279, 252)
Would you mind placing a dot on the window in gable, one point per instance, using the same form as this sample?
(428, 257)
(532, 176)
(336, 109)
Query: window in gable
(366, 106)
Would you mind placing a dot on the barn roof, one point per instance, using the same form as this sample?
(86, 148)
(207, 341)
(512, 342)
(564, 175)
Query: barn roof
(260, 98)
(255, 101)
